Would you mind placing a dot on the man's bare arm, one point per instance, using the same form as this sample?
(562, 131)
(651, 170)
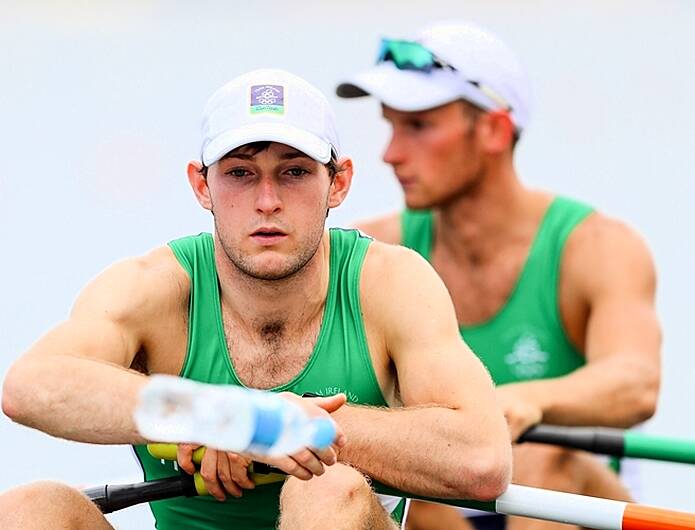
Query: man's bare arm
(75, 382)
(450, 439)
(610, 267)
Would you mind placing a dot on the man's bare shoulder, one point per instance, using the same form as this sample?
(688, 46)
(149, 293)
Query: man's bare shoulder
(394, 261)
(136, 287)
(393, 275)
(603, 250)
(386, 229)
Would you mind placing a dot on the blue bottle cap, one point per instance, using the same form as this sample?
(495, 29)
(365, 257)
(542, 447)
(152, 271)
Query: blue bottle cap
(325, 433)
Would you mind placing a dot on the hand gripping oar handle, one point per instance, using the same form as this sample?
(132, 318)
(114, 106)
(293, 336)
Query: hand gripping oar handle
(110, 498)
(614, 442)
(259, 472)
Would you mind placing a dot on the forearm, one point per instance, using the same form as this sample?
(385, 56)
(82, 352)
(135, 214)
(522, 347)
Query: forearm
(75, 398)
(430, 451)
(616, 392)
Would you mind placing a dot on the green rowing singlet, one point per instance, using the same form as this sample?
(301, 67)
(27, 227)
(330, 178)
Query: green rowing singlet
(525, 340)
(340, 362)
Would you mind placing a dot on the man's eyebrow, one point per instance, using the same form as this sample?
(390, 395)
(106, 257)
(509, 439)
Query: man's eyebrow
(285, 156)
(234, 154)
(294, 154)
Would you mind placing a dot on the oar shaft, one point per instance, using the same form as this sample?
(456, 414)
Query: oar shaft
(589, 512)
(638, 445)
(486, 506)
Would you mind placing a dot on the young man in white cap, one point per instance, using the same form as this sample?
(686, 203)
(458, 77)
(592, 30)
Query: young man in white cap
(554, 297)
(271, 300)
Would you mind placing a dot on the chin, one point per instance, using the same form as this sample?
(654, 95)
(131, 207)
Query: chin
(418, 203)
(271, 268)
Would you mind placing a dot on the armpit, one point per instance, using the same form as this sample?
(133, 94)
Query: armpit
(139, 363)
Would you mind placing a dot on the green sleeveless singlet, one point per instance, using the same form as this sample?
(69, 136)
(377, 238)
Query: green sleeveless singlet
(340, 362)
(525, 340)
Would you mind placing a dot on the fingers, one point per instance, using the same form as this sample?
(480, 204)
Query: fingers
(520, 419)
(239, 469)
(340, 438)
(327, 456)
(184, 457)
(288, 465)
(224, 475)
(304, 464)
(208, 472)
(310, 461)
(322, 407)
(329, 403)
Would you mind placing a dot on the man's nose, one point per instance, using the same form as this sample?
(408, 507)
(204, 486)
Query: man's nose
(394, 153)
(268, 199)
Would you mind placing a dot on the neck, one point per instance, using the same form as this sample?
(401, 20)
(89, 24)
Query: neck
(474, 225)
(256, 304)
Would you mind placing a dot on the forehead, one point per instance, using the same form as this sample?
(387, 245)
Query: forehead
(443, 111)
(255, 150)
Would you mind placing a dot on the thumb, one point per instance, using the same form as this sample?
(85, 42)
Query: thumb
(331, 403)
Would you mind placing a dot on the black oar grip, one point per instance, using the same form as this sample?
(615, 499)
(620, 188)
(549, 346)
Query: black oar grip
(595, 440)
(112, 498)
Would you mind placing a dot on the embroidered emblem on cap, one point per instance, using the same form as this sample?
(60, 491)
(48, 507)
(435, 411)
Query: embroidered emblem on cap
(267, 98)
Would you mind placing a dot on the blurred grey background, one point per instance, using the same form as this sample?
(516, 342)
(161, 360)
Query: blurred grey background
(99, 113)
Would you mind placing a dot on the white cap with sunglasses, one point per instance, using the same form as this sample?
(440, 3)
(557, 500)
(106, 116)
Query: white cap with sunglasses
(444, 63)
(268, 105)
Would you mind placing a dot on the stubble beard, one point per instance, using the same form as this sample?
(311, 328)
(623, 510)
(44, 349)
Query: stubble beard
(467, 189)
(292, 265)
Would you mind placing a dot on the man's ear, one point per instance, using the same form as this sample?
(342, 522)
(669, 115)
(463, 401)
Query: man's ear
(199, 183)
(341, 182)
(497, 131)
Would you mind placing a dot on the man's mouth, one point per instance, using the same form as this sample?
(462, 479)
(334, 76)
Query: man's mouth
(405, 181)
(267, 236)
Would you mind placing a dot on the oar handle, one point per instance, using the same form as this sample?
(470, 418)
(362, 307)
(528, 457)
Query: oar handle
(259, 472)
(111, 498)
(614, 442)
(595, 440)
(264, 474)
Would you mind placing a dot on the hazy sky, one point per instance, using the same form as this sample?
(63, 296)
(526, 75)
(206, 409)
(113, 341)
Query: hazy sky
(99, 113)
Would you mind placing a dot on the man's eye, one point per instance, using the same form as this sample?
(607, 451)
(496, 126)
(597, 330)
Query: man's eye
(296, 172)
(416, 124)
(237, 172)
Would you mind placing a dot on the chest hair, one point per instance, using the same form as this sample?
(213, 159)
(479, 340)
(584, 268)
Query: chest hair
(479, 291)
(272, 354)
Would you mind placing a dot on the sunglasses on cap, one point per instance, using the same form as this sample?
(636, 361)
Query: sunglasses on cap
(410, 55)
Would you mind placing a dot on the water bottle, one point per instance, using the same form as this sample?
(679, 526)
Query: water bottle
(227, 417)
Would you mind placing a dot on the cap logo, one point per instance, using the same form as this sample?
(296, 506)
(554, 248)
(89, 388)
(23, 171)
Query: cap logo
(267, 98)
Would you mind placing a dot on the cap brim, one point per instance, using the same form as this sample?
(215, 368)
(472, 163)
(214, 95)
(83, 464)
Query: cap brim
(404, 90)
(309, 144)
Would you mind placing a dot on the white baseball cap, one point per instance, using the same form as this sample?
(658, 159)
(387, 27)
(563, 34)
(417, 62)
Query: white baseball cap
(268, 105)
(478, 67)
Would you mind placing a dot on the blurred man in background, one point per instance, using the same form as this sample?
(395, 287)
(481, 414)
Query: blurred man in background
(556, 298)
